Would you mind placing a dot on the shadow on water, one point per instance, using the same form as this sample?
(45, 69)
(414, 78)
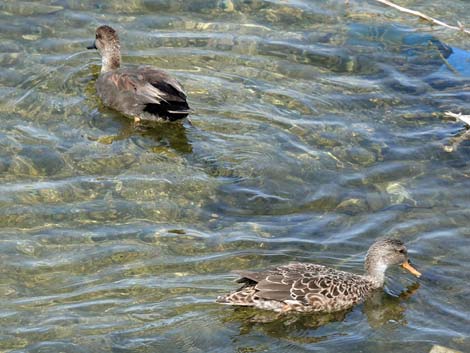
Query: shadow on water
(293, 327)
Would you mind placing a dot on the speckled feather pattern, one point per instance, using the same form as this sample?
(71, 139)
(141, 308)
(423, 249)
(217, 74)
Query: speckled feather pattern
(300, 287)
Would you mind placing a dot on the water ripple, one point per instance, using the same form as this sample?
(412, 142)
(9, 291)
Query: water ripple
(317, 128)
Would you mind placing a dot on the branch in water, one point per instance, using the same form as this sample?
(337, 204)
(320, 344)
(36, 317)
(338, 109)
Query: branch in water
(459, 26)
(456, 141)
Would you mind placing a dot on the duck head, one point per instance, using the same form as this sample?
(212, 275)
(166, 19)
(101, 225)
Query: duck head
(108, 45)
(383, 254)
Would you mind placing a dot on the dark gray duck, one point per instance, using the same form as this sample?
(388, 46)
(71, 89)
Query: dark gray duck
(142, 93)
(307, 287)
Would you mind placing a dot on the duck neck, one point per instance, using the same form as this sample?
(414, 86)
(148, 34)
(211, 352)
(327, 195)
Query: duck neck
(111, 59)
(375, 269)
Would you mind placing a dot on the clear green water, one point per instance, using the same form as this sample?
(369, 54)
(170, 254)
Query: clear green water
(310, 139)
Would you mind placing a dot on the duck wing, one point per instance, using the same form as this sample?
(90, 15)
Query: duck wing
(288, 282)
(163, 82)
(143, 92)
(316, 287)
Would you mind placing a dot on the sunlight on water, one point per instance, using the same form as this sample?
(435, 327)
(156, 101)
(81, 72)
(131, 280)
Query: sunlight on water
(317, 128)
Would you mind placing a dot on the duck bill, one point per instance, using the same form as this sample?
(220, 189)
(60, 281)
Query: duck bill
(407, 266)
(93, 46)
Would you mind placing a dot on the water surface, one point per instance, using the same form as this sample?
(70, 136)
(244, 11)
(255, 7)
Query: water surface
(318, 128)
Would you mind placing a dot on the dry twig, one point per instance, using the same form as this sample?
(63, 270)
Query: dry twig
(459, 26)
(456, 141)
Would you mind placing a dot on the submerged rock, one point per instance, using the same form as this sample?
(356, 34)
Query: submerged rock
(397, 193)
(352, 206)
(441, 349)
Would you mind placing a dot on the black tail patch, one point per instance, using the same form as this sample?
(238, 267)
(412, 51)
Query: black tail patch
(168, 110)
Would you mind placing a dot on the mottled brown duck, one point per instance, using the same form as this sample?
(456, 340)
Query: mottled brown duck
(307, 287)
(142, 93)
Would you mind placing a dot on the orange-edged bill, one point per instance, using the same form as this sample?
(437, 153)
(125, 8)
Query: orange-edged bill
(407, 266)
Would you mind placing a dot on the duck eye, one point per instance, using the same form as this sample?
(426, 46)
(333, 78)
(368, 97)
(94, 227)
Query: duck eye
(402, 251)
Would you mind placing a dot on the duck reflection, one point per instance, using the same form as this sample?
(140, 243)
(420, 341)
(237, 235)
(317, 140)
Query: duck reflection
(380, 309)
(159, 135)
